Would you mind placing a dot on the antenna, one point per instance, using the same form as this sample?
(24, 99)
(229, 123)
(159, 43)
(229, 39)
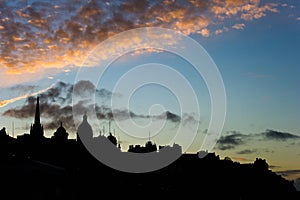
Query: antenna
(149, 135)
(103, 130)
(119, 145)
(13, 129)
(109, 131)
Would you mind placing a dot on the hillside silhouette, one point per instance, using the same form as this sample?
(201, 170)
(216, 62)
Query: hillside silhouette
(35, 167)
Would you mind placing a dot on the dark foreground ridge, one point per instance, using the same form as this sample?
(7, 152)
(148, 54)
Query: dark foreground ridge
(35, 167)
(65, 170)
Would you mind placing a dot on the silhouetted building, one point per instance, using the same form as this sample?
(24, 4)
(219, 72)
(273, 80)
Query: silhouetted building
(149, 147)
(84, 130)
(261, 164)
(3, 134)
(112, 138)
(60, 135)
(4, 137)
(176, 148)
(36, 129)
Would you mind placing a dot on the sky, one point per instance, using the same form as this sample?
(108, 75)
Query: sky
(255, 45)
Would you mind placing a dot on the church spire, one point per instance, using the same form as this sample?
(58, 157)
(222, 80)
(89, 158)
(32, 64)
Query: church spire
(37, 112)
(36, 129)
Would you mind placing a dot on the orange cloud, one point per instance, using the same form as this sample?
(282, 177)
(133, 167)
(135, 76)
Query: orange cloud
(259, 12)
(204, 32)
(248, 9)
(44, 36)
(192, 25)
(240, 159)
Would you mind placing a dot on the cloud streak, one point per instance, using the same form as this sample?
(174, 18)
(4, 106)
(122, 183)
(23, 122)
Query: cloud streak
(246, 151)
(8, 101)
(233, 139)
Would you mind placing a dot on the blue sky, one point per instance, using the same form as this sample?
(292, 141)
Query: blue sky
(255, 45)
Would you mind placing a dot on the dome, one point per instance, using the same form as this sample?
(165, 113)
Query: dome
(61, 129)
(61, 133)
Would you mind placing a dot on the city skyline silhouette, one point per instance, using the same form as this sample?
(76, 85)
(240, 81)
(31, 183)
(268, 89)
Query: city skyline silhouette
(178, 97)
(58, 156)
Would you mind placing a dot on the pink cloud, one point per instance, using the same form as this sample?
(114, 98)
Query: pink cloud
(238, 26)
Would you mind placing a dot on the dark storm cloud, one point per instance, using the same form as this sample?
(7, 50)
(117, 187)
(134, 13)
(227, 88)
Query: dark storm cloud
(169, 116)
(55, 106)
(57, 94)
(104, 112)
(277, 135)
(230, 141)
(57, 113)
(62, 92)
(25, 111)
(55, 103)
(84, 88)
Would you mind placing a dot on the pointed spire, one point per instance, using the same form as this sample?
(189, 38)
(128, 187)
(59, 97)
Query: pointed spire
(109, 126)
(61, 123)
(36, 129)
(37, 112)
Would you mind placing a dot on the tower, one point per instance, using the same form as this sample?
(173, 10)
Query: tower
(84, 130)
(36, 129)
